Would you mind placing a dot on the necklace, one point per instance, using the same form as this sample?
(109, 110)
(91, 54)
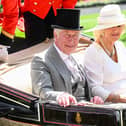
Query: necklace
(107, 51)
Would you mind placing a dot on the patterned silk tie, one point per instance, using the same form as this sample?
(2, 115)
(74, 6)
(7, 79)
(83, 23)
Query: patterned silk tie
(74, 68)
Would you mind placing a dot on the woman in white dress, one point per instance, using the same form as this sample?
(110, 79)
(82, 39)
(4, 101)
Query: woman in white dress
(105, 59)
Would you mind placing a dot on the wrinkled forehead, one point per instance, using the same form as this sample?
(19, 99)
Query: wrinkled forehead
(70, 31)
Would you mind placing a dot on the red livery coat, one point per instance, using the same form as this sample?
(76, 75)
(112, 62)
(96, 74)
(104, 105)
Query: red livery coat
(41, 8)
(10, 15)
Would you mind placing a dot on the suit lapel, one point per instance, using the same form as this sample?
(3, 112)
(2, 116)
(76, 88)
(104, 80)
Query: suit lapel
(56, 60)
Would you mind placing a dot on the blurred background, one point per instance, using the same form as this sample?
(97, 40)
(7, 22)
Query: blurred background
(89, 13)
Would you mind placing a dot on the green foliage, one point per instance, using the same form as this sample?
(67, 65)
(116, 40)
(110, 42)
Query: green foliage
(88, 21)
(19, 33)
(1, 8)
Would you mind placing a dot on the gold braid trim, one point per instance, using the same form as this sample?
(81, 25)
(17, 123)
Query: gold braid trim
(7, 34)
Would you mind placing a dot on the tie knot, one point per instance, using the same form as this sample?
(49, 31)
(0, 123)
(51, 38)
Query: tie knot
(70, 58)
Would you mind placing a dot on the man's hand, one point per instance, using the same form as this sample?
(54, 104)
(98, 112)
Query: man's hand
(94, 100)
(66, 99)
(97, 100)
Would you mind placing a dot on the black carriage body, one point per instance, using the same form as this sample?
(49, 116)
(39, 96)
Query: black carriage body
(80, 116)
(26, 108)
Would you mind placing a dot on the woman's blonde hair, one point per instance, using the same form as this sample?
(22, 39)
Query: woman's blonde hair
(97, 34)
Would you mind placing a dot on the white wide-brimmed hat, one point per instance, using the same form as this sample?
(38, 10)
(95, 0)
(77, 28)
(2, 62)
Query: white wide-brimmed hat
(110, 16)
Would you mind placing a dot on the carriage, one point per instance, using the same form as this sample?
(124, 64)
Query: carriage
(26, 108)
(19, 105)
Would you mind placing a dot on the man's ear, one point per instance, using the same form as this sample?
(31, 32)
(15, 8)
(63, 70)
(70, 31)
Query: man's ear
(54, 33)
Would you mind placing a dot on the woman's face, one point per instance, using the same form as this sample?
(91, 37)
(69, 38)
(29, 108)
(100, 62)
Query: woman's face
(114, 33)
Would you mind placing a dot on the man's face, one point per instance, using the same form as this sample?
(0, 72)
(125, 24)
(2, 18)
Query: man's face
(67, 40)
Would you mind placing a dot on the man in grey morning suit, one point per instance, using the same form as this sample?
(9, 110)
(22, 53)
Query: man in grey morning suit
(55, 77)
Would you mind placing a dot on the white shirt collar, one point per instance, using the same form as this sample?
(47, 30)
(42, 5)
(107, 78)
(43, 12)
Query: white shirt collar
(62, 55)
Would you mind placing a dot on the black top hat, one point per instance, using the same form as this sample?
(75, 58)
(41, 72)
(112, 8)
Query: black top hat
(68, 19)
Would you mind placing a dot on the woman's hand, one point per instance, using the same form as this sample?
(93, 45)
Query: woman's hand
(122, 98)
(116, 98)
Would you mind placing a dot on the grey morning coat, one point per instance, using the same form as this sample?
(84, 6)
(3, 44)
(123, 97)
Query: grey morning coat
(50, 77)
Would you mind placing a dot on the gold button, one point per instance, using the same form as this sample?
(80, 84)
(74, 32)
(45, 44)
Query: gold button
(34, 10)
(35, 3)
(50, 3)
